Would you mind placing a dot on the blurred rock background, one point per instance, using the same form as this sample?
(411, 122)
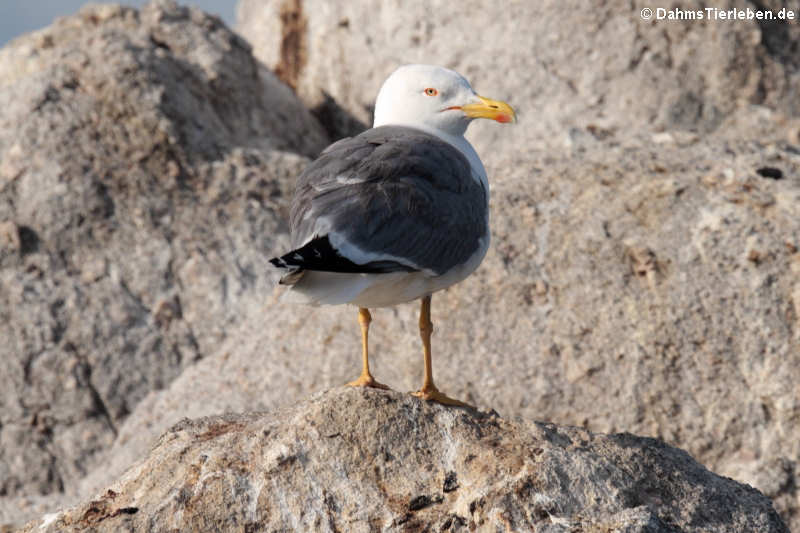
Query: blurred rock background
(644, 274)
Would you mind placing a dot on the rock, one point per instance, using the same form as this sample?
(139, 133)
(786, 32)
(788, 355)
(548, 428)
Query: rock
(642, 281)
(641, 255)
(564, 65)
(144, 155)
(617, 295)
(366, 460)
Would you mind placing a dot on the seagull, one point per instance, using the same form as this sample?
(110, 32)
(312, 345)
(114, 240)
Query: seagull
(398, 212)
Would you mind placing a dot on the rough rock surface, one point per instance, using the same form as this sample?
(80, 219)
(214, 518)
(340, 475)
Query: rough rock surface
(644, 273)
(643, 282)
(140, 157)
(638, 285)
(565, 64)
(365, 460)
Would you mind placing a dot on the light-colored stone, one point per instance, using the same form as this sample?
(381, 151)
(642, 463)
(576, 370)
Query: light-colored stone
(618, 294)
(131, 142)
(365, 460)
(652, 319)
(597, 68)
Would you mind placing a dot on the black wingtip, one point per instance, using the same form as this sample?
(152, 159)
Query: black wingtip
(292, 276)
(319, 254)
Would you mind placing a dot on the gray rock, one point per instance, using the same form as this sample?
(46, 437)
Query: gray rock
(643, 282)
(564, 64)
(639, 258)
(648, 285)
(366, 460)
(141, 154)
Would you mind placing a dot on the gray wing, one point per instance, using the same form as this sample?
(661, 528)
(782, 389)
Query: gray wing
(392, 195)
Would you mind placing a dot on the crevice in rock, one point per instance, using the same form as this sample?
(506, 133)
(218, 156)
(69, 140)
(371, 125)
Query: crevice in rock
(776, 38)
(101, 406)
(770, 172)
(336, 120)
(83, 374)
(293, 49)
(28, 240)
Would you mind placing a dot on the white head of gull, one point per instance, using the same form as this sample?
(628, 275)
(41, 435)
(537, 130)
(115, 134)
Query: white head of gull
(438, 101)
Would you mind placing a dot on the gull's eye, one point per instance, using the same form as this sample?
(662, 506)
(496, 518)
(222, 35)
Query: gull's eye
(430, 91)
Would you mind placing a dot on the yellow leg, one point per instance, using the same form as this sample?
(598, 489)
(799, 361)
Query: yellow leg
(365, 379)
(428, 391)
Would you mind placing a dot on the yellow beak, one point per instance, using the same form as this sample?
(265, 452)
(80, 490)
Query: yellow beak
(492, 109)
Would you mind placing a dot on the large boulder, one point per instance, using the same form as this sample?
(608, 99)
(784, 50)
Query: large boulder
(564, 64)
(636, 282)
(365, 460)
(649, 285)
(644, 272)
(143, 156)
